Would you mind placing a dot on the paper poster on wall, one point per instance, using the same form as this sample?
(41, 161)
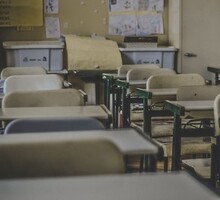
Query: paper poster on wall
(51, 6)
(149, 24)
(52, 26)
(21, 13)
(122, 24)
(149, 5)
(132, 5)
(136, 24)
(121, 5)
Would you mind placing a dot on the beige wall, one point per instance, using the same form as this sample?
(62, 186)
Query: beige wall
(81, 17)
(92, 17)
(174, 27)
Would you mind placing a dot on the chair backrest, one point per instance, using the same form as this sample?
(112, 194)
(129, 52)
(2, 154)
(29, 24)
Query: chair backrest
(141, 73)
(174, 81)
(42, 98)
(145, 73)
(46, 155)
(32, 82)
(53, 125)
(125, 68)
(197, 92)
(10, 71)
(217, 115)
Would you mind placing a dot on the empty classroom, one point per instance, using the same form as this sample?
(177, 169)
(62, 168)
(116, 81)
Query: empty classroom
(109, 99)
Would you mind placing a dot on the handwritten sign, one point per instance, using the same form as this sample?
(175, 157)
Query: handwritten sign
(21, 13)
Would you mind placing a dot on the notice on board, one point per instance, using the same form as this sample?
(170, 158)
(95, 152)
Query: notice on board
(51, 6)
(138, 5)
(136, 17)
(21, 13)
(136, 24)
(52, 25)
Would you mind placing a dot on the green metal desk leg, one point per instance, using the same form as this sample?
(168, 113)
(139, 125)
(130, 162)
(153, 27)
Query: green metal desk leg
(176, 143)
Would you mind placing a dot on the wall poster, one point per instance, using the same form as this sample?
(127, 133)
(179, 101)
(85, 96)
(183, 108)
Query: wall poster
(21, 13)
(136, 17)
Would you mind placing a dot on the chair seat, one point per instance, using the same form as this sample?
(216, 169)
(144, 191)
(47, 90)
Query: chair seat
(158, 130)
(189, 146)
(200, 166)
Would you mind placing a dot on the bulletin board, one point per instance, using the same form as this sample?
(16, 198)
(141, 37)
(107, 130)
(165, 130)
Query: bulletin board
(21, 13)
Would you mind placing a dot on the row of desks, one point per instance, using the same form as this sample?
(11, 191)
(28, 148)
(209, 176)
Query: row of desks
(128, 186)
(172, 108)
(100, 112)
(129, 141)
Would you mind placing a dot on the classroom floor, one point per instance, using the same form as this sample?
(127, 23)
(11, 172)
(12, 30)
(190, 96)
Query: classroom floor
(133, 164)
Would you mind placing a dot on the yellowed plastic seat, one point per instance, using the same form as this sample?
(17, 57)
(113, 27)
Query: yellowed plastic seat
(142, 74)
(32, 82)
(55, 154)
(175, 81)
(207, 92)
(125, 68)
(42, 98)
(10, 71)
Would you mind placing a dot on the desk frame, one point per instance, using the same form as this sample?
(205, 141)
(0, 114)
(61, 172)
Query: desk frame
(148, 112)
(110, 87)
(127, 99)
(179, 132)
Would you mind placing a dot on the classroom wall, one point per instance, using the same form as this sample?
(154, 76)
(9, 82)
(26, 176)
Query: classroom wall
(174, 27)
(81, 17)
(86, 17)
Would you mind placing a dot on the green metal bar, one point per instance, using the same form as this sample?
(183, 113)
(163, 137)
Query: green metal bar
(176, 143)
(143, 93)
(175, 108)
(178, 111)
(122, 84)
(146, 95)
(107, 88)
